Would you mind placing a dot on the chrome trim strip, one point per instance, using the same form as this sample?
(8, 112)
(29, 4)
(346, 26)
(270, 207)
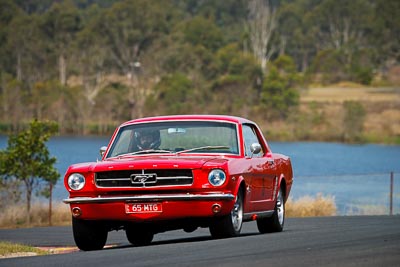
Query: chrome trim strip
(174, 177)
(158, 178)
(113, 179)
(181, 197)
(134, 187)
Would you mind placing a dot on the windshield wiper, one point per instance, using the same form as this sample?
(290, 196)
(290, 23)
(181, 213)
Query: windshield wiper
(202, 148)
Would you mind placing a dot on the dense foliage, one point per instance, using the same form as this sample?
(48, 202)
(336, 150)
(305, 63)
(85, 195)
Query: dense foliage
(90, 64)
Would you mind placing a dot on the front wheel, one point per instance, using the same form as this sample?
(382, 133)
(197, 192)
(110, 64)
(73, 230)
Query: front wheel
(276, 221)
(231, 224)
(89, 235)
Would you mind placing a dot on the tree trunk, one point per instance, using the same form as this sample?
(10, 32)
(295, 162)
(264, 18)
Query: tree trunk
(28, 205)
(262, 22)
(282, 46)
(50, 203)
(304, 62)
(62, 69)
(19, 67)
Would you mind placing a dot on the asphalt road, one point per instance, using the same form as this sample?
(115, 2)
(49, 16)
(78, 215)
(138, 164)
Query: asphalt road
(324, 241)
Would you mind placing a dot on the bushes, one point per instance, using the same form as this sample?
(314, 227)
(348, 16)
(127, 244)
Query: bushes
(353, 121)
(279, 93)
(333, 66)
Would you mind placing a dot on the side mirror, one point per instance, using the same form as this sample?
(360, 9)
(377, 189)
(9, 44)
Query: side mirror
(255, 148)
(103, 150)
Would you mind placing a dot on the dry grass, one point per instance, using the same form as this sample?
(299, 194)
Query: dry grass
(15, 216)
(322, 112)
(308, 206)
(340, 94)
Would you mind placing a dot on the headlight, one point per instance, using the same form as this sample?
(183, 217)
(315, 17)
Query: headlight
(76, 181)
(217, 177)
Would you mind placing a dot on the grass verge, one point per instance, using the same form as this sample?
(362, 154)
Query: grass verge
(10, 250)
(14, 216)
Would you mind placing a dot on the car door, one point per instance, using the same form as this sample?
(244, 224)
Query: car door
(261, 171)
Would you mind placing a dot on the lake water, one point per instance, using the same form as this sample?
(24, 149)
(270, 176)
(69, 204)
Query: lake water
(357, 176)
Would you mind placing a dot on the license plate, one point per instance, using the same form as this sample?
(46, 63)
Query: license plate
(143, 207)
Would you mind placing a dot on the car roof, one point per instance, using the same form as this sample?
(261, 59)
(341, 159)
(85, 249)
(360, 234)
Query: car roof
(226, 118)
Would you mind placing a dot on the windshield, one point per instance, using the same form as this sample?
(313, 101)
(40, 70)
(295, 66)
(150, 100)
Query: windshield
(175, 137)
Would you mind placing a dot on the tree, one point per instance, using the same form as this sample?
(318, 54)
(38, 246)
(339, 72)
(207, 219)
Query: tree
(261, 25)
(27, 159)
(203, 32)
(343, 25)
(278, 93)
(90, 55)
(353, 121)
(129, 28)
(9, 189)
(61, 24)
(386, 31)
(8, 11)
(12, 102)
(297, 33)
(241, 75)
(174, 95)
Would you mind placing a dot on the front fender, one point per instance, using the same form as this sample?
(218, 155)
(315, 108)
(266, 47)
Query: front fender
(240, 181)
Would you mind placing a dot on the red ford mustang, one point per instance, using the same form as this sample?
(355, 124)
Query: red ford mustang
(179, 172)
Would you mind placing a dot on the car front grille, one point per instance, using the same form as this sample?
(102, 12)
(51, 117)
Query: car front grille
(144, 178)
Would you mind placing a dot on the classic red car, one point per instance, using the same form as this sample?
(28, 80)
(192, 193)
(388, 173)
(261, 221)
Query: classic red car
(179, 172)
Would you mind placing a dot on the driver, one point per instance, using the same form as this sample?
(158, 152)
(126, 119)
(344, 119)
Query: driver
(147, 139)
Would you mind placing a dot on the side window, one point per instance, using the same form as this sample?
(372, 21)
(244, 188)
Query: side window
(250, 137)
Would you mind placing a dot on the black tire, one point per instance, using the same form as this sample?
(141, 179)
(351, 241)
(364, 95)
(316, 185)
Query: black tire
(89, 235)
(276, 222)
(139, 236)
(229, 225)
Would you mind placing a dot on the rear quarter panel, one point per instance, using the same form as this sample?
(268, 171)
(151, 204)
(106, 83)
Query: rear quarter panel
(285, 172)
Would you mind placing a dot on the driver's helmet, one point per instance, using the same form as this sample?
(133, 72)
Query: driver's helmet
(147, 139)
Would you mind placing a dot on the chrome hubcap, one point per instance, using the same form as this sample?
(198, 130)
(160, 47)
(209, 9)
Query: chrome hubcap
(280, 208)
(237, 213)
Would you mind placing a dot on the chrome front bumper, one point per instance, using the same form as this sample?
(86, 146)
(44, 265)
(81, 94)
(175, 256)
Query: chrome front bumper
(146, 198)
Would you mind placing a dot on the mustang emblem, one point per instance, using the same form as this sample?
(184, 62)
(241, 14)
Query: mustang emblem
(143, 179)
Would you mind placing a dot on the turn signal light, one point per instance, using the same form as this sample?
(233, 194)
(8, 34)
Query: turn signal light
(216, 208)
(76, 212)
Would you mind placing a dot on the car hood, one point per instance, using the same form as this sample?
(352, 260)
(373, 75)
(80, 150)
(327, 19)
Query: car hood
(150, 162)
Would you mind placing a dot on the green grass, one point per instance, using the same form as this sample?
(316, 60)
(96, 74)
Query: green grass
(8, 249)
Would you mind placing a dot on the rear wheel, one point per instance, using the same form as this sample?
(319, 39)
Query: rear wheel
(231, 224)
(276, 221)
(89, 235)
(139, 236)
